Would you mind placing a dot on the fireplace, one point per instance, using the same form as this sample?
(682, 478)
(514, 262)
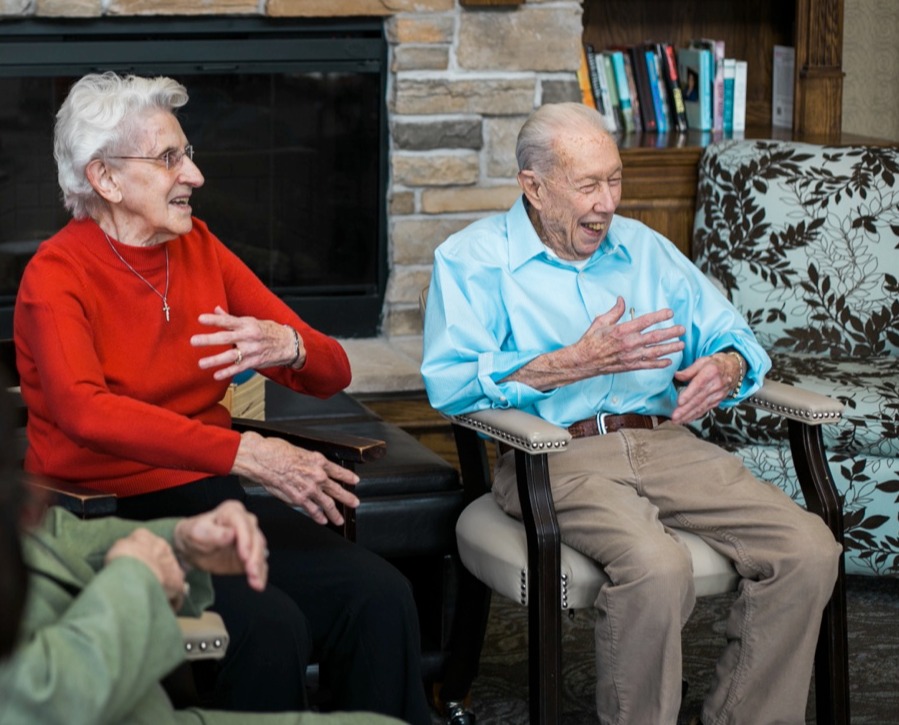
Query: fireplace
(289, 124)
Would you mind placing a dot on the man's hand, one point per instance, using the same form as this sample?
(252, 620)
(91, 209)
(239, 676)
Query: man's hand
(226, 540)
(608, 346)
(156, 553)
(254, 344)
(297, 476)
(709, 381)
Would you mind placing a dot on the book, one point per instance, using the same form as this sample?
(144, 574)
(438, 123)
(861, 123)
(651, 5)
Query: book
(644, 93)
(583, 80)
(717, 48)
(603, 97)
(730, 73)
(672, 83)
(740, 82)
(782, 86)
(613, 90)
(590, 56)
(695, 74)
(657, 86)
(632, 88)
(624, 93)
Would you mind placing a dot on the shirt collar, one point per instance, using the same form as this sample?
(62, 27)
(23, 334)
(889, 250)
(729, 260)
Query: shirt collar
(525, 245)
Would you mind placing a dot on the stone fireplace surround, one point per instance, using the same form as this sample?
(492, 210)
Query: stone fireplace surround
(462, 80)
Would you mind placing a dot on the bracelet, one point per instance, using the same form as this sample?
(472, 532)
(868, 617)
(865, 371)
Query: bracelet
(739, 386)
(296, 346)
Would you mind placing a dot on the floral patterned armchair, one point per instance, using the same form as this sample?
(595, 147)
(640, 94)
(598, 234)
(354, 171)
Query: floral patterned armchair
(804, 240)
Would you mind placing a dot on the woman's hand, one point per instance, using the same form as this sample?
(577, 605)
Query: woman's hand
(156, 553)
(254, 344)
(297, 476)
(226, 540)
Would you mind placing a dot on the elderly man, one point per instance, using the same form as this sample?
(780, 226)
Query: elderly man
(596, 323)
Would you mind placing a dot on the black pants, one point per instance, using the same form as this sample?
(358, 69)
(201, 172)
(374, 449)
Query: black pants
(327, 600)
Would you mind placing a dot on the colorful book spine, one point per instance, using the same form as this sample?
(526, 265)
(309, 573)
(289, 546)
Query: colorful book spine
(675, 97)
(730, 74)
(624, 94)
(613, 91)
(695, 75)
(644, 92)
(740, 81)
(632, 88)
(659, 103)
(583, 80)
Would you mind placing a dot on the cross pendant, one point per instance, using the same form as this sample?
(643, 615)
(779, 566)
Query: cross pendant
(166, 308)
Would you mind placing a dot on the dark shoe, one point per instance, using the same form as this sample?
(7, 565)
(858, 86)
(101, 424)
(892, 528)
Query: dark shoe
(456, 714)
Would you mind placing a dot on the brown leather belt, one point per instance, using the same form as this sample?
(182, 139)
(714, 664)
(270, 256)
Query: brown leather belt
(606, 423)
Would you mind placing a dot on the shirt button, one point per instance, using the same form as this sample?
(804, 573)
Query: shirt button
(615, 399)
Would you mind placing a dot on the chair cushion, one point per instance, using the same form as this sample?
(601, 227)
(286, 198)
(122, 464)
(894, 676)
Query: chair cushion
(493, 547)
(805, 240)
(869, 390)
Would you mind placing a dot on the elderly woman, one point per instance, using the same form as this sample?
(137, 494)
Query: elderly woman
(129, 324)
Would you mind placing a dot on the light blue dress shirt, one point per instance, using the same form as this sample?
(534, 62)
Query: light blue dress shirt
(498, 299)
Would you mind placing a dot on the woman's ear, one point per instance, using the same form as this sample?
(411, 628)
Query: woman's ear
(530, 185)
(102, 180)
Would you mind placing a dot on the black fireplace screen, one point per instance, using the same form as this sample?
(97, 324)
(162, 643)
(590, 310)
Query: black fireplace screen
(289, 128)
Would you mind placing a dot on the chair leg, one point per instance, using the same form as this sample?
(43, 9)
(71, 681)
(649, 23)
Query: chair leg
(831, 655)
(466, 638)
(544, 589)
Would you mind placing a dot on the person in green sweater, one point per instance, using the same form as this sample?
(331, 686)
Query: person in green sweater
(89, 627)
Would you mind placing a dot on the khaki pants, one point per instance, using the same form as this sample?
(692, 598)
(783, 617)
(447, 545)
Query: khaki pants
(615, 496)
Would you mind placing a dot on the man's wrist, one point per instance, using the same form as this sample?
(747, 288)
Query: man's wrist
(738, 386)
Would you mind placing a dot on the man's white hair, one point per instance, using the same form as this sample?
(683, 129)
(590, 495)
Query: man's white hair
(535, 150)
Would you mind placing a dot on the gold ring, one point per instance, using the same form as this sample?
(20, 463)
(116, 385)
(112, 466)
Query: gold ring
(239, 356)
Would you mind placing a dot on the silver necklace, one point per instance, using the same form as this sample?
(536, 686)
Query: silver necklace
(162, 295)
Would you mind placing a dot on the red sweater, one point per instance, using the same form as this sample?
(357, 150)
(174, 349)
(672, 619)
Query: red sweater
(116, 400)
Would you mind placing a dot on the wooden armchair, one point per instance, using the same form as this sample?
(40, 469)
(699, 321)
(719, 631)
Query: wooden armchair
(526, 561)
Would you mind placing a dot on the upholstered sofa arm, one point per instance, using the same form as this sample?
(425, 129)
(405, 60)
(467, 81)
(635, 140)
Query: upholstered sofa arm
(517, 429)
(796, 403)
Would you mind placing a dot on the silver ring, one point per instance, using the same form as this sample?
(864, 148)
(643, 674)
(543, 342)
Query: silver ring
(239, 356)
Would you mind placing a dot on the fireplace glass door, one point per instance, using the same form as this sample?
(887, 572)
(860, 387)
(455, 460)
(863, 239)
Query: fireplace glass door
(288, 128)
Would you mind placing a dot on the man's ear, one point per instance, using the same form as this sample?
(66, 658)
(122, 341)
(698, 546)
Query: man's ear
(531, 186)
(102, 180)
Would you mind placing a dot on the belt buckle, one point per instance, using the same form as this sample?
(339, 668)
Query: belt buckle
(601, 423)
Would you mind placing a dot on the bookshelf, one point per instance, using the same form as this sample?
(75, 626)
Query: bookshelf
(660, 171)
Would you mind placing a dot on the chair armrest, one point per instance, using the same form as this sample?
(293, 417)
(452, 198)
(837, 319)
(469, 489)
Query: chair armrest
(339, 446)
(84, 502)
(205, 637)
(796, 403)
(517, 429)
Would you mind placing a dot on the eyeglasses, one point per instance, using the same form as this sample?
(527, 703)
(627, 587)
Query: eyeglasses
(171, 158)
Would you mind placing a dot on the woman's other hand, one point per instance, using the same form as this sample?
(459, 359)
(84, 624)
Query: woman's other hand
(226, 540)
(254, 344)
(297, 476)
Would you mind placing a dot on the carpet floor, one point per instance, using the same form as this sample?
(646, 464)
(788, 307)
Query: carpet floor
(500, 691)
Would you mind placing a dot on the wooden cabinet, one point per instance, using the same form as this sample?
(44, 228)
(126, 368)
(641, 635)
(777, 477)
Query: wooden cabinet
(660, 170)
